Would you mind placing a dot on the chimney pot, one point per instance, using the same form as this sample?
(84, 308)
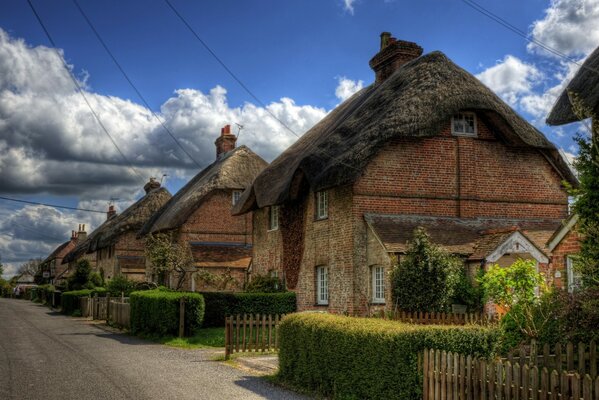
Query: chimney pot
(151, 185)
(392, 55)
(225, 142)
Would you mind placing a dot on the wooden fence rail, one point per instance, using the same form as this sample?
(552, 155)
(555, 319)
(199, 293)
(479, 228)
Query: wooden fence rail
(425, 318)
(581, 357)
(251, 333)
(449, 376)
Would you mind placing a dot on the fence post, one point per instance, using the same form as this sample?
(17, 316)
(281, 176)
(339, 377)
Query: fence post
(107, 307)
(95, 303)
(182, 317)
(227, 338)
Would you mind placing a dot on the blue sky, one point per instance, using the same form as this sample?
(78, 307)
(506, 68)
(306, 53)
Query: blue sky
(300, 58)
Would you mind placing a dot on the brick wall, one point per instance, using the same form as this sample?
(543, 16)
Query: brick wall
(569, 245)
(126, 245)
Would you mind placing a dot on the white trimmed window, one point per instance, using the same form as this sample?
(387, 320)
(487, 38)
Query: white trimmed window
(378, 284)
(322, 205)
(273, 218)
(236, 196)
(463, 124)
(322, 285)
(574, 276)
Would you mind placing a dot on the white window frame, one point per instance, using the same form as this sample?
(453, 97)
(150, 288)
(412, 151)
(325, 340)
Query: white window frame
(322, 204)
(322, 285)
(235, 196)
(462, 116)
(273, 218)
(574, 277)
(378, 284)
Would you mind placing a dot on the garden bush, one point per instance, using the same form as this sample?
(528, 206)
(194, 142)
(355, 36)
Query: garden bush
(156, 312)
(221, 305)
(360, 358)
(70, 300)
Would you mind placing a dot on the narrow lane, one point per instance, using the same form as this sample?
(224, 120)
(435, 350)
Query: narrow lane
(47, 356)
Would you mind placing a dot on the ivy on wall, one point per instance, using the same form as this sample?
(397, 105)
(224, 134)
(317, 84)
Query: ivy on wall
(292, 233)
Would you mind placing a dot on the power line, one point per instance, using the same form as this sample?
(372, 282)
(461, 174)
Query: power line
(50, 205)
(80, 90)
(248, 91)
(516, 30)
(99, 37)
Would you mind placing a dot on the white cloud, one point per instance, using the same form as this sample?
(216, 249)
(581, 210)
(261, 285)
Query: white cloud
(348, 5)
(50, 142)
(511, 78)
(539, 104)
(347, 87)
(568, 26)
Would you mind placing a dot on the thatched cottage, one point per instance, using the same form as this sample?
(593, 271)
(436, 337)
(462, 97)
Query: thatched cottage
(426, 144)
(52, 267)
(113, 248)
(584, 86)
(199, 217)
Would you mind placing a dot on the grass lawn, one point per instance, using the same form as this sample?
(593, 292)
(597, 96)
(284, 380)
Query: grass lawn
(205, 338)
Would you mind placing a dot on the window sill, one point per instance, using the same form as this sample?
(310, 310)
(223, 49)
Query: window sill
(321, 219)
(321, 305)
(459, 134)
(377, 303)
(272, 230)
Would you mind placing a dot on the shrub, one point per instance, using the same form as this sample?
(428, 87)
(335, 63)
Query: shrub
(426, 278)
(156, 312)
(221, 305)
(70, 300)
(265, 284)
(359, 358)
(120, 284)
(80, 277)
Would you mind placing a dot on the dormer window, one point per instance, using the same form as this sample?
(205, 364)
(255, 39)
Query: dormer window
(463, 124)
(236, 196)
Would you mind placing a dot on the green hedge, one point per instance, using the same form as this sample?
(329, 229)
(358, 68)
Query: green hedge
(156, 312)
(360, 358)
(70, 300)
(221, 305)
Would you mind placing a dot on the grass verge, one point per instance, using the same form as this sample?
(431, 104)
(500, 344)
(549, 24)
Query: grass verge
(205, 338)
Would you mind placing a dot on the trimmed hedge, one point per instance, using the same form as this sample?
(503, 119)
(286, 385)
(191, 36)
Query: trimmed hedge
(70, 300)
(361, 358)
(156, 312)
(221, 305)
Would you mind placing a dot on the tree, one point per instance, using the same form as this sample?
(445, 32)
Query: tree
(80, 279)
(30, 267)
(427, 276)
(167, 256)
(1, 268)
(586, 196)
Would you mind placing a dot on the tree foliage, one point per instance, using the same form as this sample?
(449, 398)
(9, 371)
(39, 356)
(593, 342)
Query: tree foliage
(516, 284)
(427, 276)
(80, 279)
(586, 196)
(167, 256)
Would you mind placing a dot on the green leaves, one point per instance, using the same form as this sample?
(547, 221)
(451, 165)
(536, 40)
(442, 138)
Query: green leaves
(427, 276)
(365, 358)
(516, 284)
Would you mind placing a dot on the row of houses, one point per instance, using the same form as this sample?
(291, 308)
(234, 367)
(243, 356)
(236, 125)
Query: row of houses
(426, 145)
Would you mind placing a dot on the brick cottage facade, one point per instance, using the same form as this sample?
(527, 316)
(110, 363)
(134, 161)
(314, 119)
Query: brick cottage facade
(52, 267)
(113, 248)
(199, 217)
(425, 145)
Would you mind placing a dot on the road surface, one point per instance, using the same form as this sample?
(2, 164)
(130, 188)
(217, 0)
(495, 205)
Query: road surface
(47, 356)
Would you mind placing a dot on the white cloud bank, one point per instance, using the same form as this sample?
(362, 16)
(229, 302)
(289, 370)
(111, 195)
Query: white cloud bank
(346, 88)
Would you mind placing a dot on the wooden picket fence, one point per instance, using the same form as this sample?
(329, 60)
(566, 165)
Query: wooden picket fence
(251, 333)
(437, 318)
(449, 376)
(111, 309)
(119, 313)
(581, 357)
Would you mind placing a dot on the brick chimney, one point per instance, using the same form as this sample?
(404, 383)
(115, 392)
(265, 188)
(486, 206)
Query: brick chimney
(392, 55)
(225, 142)
(151, 185)
(111, 212)
(81, 233)
(73, 236)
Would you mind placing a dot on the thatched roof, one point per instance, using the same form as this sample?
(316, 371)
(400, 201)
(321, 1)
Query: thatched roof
(60, 251)
(131, 219)
(235, 169)
(474, 238)
(416, 101)
(585, 85)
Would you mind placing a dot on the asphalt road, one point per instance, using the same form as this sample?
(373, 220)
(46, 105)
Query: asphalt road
(47, 356)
